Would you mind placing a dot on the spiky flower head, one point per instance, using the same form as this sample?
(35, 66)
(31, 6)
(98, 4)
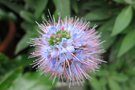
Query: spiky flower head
(68, 49)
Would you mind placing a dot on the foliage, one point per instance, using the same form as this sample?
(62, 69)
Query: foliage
(115, 20)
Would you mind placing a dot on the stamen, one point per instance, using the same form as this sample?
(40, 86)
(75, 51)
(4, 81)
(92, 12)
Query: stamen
(57, 38)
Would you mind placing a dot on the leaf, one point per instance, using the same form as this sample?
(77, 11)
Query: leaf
(75, 6)
(114, 85)
(92, 4)
(32, 81)
(62, 7)
(131, 53)
(2, 14)
(131, 2)
(27, 16)
(120, 77)
(95, 84)
(8, 79)
(23, 60)
(127, 43)
(103, 83)
(119, 1)
(131, 84)
(106, 30)
(102, 73)
(3, 58)
(98, 14)
(8, 16)
(123, 20)
(114, 52)
(24, 42)
(12, 16)
(28, 27)
(13, 6)
(40, 6)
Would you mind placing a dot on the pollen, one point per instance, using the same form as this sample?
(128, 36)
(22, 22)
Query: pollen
(55, 39)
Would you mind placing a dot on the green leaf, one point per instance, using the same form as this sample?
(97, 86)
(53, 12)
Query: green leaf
(114, 52)
(119, 1)
(102, 73)
(123, 20)
(131, 2)
(32, 81)
(92, 4)
(95, 84)
(28, 27)
(131, 53)
(75, 6)
(13, 6)
(24, 42)
(8, 79)
(12, 16)
(4, 15)
(40, 6)
(23, 60)
(120, 77)
(62, 7)
(106, 30)
(114, 85)
(27, 16)
(103, 83)
(3, 58)
(127, 43)
(98, 14)
(37, 6)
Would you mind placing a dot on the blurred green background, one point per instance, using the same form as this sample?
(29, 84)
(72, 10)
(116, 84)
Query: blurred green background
(116, 23)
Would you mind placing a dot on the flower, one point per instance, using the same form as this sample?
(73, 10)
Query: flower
(69, 49)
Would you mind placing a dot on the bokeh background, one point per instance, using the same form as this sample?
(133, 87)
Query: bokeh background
(116, 23)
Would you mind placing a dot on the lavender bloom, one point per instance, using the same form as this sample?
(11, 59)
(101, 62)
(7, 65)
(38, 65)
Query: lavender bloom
(69, 49)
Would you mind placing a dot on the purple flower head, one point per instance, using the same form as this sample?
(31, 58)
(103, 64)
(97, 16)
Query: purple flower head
(69, 49)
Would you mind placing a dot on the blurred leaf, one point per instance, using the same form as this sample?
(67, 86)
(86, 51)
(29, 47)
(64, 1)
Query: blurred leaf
(103, 73)
(123, 20)
(74, 6)
(98, 14)
(114, 85)
(31, 81)
(120, 77)
(131, 84)
(95, 84)
(62, 7)
(92, 4)
(130, 2)
(119, 1)
(8, 79)
(13, 6)
(2, 14)
(103, 83)
(105, 30)
(8, 16)
(23, 60)
(12, 16)
(3, 58)
(27, 16)
(131, 53)
(24, 42)
(127, 43)
(114, 52)
(40, 6)
(126, 31)
(28, 27)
